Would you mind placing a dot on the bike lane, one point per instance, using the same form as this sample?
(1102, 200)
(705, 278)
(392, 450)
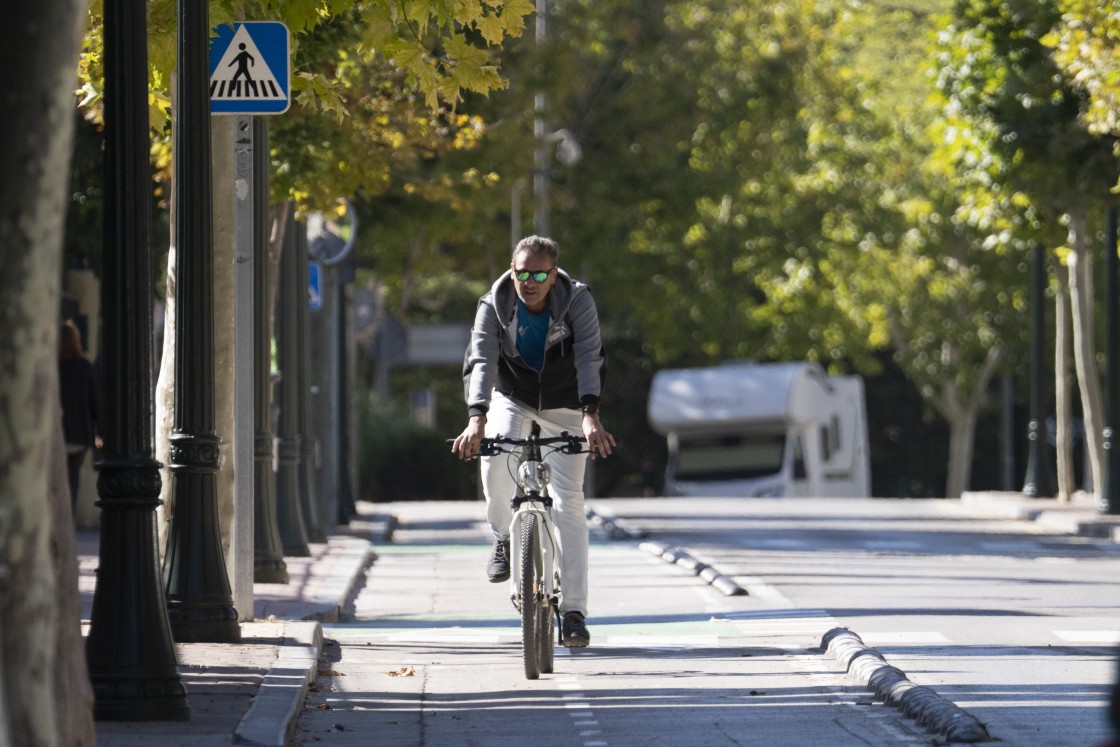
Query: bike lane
(433, 657)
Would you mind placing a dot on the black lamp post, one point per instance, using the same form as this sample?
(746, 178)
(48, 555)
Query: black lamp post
(1109, 500)
(129, 650)
(1036, 484)
(309, 494)
(199, 599)
(347, 509)
(289, 511)
(268, 553)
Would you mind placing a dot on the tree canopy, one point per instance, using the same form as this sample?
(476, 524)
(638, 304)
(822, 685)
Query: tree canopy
(846, 182)
(375, 83)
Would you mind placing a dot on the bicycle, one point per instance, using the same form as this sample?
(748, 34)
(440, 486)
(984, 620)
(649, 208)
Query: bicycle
(534, 570)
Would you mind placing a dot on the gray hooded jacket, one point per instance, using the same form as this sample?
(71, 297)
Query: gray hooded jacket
(574, 362)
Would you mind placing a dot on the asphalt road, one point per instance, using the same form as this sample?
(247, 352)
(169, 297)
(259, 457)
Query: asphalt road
(1017, 631)
(1017, 627)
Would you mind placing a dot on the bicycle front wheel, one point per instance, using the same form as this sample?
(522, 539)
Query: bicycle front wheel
(532, 596)
(545, 637)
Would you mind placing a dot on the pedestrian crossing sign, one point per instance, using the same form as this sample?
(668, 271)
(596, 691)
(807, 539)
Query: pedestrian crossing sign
(250, 70)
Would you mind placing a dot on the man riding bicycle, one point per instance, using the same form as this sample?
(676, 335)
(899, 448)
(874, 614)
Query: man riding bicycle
(536, 354)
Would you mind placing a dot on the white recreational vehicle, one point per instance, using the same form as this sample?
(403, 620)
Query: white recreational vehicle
(762, 430)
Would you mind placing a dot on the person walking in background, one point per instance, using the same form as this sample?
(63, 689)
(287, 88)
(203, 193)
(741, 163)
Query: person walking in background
(536, 354)
(80, 396)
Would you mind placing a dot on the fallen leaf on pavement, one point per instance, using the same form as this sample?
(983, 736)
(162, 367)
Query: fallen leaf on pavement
(402, 672)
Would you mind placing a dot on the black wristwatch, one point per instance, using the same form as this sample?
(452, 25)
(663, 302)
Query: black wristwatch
(591, 409)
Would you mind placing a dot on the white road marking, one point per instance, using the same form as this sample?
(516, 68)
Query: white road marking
(1106, 637)
(909, 637)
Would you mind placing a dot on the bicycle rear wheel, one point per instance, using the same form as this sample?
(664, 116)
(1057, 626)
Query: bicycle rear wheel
(532, 600)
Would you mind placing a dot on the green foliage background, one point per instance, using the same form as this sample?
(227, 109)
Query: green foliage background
(855, 183)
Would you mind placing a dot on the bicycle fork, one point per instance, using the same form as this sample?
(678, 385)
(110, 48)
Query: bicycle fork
(547, 543)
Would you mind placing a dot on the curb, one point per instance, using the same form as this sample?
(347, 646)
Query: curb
(272, 717)
(682, 557)
(1080, 517)
(888, 683)
(352, 557)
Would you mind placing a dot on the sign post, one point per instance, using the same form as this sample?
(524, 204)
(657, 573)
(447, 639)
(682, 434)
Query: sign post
(250, 73)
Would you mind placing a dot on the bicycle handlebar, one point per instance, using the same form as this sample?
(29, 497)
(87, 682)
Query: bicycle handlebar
(493, 446)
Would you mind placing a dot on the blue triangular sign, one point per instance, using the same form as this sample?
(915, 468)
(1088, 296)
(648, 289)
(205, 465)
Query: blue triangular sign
(250, 68)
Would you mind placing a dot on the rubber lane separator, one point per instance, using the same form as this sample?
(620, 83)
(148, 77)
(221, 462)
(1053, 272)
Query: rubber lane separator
(929, 709)
(682, 557)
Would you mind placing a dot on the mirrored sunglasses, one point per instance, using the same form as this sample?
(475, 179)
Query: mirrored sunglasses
(538, 277)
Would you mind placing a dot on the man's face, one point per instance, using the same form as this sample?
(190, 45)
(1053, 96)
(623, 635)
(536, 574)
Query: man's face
(539, 267)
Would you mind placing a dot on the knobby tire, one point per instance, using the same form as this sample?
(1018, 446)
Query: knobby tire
(546, 636)
(531, 599)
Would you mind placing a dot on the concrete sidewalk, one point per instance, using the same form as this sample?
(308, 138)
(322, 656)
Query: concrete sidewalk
(251, 693)
(1079, 517)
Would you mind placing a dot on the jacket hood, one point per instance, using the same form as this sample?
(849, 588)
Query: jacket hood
(503, 296)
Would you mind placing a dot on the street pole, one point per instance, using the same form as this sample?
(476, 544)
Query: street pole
(242, 533)
(322, 419)
(540, 144)
(308, 492)
(199, 599)
(1109, 498)
(129, 650)
(347, 509)
(328, 344)
(268, 553)
(289, 513)
(1036, 484)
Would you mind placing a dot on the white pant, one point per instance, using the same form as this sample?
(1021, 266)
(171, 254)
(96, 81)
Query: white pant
(513, 420)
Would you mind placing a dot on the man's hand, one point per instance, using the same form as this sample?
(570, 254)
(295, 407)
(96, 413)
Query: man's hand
(599, 440)
(469, 442)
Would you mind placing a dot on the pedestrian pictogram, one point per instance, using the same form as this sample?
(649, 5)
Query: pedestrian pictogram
(249, 68)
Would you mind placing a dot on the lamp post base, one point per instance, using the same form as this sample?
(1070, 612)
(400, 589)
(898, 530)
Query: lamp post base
(126, 698)
(204, 623)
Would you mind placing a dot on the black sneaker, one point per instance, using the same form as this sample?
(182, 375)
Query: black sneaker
(497, 567)
(575, 632)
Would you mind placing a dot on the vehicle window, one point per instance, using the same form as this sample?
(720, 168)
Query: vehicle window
(729, 457)
(799, 471)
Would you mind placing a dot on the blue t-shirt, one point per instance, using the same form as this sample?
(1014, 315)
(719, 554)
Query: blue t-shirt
(531, 332)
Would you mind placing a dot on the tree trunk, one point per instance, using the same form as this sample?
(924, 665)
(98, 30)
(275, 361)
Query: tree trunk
(165, 382)
(1062, 395)
(44, 683)
(71, 679)
(1084, 353)
(408, 282)
(960, 413)
(962, 433)
(165, 399)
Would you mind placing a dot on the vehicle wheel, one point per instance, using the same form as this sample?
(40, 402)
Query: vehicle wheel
(546, 637)
(531, 597)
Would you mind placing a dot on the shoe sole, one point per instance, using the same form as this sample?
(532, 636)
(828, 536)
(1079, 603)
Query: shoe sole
(499, 579)
(577, 642)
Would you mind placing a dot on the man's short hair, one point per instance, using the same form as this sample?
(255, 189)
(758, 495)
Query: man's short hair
(537, 245)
